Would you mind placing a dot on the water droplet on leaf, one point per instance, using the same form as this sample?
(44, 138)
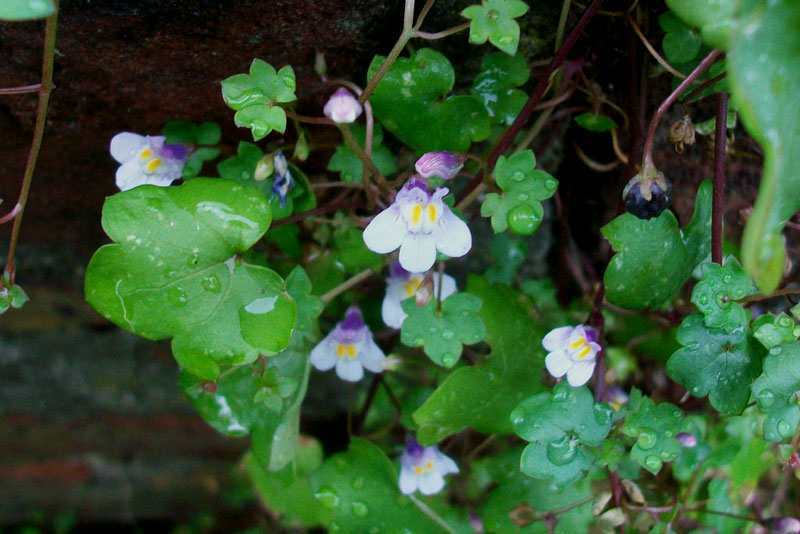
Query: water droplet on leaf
(765, 398)
(653, 463)
(327, 497)
(647, 439)
(563, 451)
(211, 283)
(359, 509)
(785, 428)
(177, 297)
(448, 334)
(358, 483)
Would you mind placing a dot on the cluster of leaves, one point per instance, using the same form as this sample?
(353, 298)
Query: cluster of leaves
(188, 263)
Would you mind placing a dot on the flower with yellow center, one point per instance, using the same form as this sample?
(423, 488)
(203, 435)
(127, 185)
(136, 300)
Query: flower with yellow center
(147, 160)
(349, 348)
(572, 352)
(424, 469)
(419, 224)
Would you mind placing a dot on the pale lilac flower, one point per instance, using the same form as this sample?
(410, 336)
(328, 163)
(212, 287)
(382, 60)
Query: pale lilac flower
(424, 469)
(783, 525)
(401, 285)
(419, 223)
(342, 107)
(445, 165)
(284, 182)
(350, 348)
(572, 352)
(617, 398)
(147, 160)
(686, 439)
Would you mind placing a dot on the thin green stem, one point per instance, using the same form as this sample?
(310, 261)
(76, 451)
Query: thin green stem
(408, 31)
(433, 515)
(347, 284)
(562, 23)
(38, 133)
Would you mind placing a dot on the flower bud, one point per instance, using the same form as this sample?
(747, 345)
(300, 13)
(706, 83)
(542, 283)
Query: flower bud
(424, 292)
(320, 67)
(686, 439)
(783, 525)
(342, 107)
(648, 193)
(681, 133)
(301, 148)
(264, 168)
(445, 165)
(392, 363)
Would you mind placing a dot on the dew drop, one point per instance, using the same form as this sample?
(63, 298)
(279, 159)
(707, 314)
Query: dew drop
(193, 260)
(704, 300)
(653, 463)
(358, 483)
(359, 509)
(177, 297)
(563, 451)
(211, 283)
(550, 184)
(448, 359)
(327, 497)
(785, 428)
(506, 40)
(522, 197)
(765, 398)
(727, 279)
(560, 395)
(647, 439)
(448, 334)
(518, 176)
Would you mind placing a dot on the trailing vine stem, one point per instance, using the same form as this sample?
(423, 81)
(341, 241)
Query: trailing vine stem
(38, 132)
(647, 155)
(717, 206)
(533, 100)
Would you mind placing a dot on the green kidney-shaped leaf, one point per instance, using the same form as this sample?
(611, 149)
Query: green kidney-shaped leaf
(495, 85)
(654, 427)
(650, 261)
(442, 333)
(482, 396)
(595, 123)
(764, 75)
(713, 17)
(773, 330)
(715, 295)
(559, 426)
(717, 363)
(172, 272)
(776, 391)
(408, 102)
(26, 9)
(524, 188)
(494, 20)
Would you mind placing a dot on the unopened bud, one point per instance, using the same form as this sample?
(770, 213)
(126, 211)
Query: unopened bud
(392, 363)
(686, 439)
(681, 133)
(783, 525)
(319, 64)
(301, 148)
(264, 168)
(522, 515)
(445, 165)
(342, 107)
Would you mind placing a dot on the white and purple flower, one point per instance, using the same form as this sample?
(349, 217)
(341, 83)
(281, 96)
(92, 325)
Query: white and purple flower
(424, 469)
(419, 223)
(350, 348)
(342, 107)
(571, 352)
(147, 160)
(445, 165)
(401, 285)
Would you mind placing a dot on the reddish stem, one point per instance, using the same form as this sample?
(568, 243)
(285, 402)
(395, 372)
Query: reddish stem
(717, 207)
(533, 100)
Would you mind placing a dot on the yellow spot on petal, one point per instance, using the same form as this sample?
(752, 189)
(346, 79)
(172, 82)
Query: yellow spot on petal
(577, 343)
(418, 470)
(351, 352)
(146, 153)
(416, 214)
(340, 350)
(432, 213)
(412, 285)
(586, 350)
(152, 165)
(429, 466)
